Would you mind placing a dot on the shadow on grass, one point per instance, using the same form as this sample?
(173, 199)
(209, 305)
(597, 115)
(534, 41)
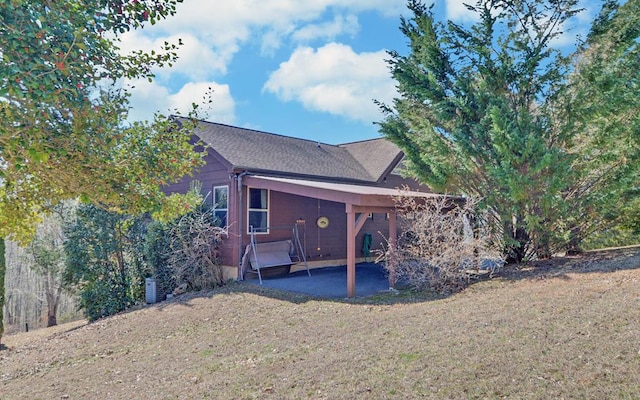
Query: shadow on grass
(596, 261)
(606, 260)
(402, 296)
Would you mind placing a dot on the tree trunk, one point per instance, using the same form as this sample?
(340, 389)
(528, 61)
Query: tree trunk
(575, 239)
(516, 252)
(53, 299)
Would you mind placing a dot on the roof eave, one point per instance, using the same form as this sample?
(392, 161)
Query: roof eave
(319, 178)
(390, 167)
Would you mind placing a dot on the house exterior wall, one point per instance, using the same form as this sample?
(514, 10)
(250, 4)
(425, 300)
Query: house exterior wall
(321, 245)
(215, 173)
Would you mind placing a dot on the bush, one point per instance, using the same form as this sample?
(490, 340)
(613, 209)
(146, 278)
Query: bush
(103, 262)
(156, 254)
(194, 250)
(438, 247)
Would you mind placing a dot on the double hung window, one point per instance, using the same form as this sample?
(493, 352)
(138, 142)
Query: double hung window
(221, 204)
(258, 210)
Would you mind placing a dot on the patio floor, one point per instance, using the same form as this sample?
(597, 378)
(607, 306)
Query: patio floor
(330, 282)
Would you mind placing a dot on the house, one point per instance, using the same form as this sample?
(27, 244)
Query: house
(261, 185)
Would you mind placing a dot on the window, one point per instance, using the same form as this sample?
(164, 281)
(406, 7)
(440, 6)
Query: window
(220, 204)
(258, 210)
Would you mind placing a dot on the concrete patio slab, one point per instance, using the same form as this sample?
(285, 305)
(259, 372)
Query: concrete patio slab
(330, 282)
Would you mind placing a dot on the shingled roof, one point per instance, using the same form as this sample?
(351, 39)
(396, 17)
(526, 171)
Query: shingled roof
(268, 153)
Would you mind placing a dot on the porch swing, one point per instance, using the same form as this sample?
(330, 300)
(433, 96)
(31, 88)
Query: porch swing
(273, 254)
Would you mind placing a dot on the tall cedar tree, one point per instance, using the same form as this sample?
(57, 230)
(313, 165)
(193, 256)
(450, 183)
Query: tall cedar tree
(62, 130)
(601, 106)
(474, 114)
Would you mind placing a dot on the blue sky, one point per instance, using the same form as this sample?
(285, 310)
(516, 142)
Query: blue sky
(302, 68)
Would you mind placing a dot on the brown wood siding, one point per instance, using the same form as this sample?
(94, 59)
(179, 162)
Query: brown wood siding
(320, 244)
(214, 173)
(285, 209)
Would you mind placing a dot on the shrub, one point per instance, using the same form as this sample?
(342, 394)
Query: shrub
(194, 250)
(441, 243)
(103, 262)
(156, 254)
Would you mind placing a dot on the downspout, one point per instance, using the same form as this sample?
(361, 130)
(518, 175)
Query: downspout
(239, 219)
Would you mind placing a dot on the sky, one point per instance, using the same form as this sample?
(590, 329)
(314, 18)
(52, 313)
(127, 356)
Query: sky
(304, 68)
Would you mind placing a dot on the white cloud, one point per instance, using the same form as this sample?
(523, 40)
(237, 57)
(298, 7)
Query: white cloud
(221, 27)
(578, 26)
(214, 32)
(336, 80)
(328, 30)
(457, 11)
(149, 98)
(196, 60)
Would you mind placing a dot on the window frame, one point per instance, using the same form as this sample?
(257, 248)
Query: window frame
(267, 211)
(215, 207)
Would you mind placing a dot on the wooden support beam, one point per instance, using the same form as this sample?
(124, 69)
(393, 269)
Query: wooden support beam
(362, 218)
(393, 237)
(351, 253)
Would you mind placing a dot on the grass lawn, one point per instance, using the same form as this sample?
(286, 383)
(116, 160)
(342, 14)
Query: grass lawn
(569, 328)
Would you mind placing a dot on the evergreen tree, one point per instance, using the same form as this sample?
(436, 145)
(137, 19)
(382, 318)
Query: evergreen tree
(600, 105)
(475, 114)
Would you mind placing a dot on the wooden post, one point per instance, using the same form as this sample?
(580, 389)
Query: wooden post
(393, 237)
(351, 253)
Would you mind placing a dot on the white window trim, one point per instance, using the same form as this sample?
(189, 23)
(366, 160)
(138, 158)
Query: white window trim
(215, 207)
(268, 210)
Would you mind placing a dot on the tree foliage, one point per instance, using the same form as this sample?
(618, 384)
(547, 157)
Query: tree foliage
(108, 255)
(483, 111)
(164, 237)
(63, 133)
(601, 105)
(102, 264)
(46, 251)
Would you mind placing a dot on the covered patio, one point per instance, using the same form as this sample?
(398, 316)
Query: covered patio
(358, 200)
(328, 282)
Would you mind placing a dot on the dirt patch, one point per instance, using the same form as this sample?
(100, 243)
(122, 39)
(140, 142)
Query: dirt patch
(566, 328)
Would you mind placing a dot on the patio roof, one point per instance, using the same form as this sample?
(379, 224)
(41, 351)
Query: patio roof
(359, 197)
(359, 200)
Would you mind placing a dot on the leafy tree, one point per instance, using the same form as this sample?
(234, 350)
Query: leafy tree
(101, 261)
(186, 250)
(475, 114)
(47, 252)
(108, 255)
(156, 254)
(63, 134)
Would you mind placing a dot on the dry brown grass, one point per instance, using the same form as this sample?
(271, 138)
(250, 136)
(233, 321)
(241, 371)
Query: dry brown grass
(562, 329)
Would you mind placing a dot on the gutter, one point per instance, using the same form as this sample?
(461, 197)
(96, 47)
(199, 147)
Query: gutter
(239, 219)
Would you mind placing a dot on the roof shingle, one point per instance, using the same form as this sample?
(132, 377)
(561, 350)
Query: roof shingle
(256, 151)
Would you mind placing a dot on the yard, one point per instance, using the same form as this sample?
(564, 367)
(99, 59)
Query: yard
(562, 329)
